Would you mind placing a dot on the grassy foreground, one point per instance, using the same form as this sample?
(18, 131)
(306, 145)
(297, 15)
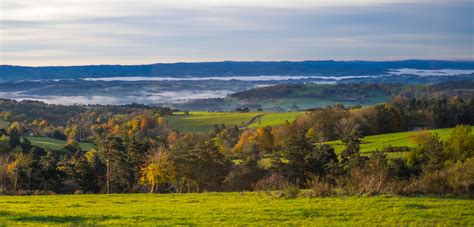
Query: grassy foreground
(232, 208)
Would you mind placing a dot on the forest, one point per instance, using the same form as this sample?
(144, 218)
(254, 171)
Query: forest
(135, 151)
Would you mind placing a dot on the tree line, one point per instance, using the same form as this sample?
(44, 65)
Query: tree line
(137, 152)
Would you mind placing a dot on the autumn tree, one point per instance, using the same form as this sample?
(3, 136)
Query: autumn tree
(159, 169)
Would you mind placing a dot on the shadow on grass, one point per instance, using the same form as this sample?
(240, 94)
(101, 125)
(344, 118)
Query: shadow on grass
(417, 206)
(26, 218)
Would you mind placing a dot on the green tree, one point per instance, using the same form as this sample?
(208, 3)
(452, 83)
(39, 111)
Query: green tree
(303, 161)
(200, 166)
(119, 173)
(460, 144)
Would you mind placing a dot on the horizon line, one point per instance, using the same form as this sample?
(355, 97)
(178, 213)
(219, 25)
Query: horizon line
(241, 61)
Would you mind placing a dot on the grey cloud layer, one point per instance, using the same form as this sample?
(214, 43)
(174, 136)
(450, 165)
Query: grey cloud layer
(50, 32)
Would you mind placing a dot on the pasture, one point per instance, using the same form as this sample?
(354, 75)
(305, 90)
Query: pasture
(53, 144)
(203, 122)
(272, 119)
(232, 209)
(399, 139)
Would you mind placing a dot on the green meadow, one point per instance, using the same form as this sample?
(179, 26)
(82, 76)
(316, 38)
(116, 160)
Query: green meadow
(53, 144)
(232, 209)
(201, 121)
(379, 142)
(272, 119)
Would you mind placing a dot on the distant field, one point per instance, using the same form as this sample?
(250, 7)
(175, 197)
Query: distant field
(232, 209)
(272, 119)
(54, 144)
(371, 143)
(204, 121)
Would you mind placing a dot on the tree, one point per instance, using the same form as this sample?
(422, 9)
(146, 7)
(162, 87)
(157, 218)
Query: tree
(200, 166)
(4, 144)
(15, 137)
(146, 122)
(84, 174)
(16, 126)
(303, 160)
(98, 167)
(136, 156)
(52, 177)
(428, 155)
(264, 139)
(349, 132)
(119, 173)
(19, 168)
(460, 144)
(158, 170)
(247, 172)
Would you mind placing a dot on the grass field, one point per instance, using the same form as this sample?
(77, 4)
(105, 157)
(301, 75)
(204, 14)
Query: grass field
(54, 144)
(371, 143)
(205, 121)
(272, 119)
(232, 209)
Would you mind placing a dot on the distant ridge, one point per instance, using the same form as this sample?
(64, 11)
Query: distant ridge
(227, 68)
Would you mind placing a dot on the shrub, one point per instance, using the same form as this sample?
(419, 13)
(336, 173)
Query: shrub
(321, 189)
(271, 183)
(458, 178)
(461, 177)
(290, 191)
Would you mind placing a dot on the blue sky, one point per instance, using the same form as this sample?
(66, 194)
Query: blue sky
(78, 32)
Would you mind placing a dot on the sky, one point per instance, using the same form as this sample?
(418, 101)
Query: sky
(90, 32)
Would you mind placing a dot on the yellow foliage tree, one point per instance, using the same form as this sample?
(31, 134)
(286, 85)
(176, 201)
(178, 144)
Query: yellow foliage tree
(159, 169)
(172, 137)
(135, 125)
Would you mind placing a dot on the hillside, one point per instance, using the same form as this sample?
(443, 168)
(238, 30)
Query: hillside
(294, 97)
(286, 97)
(336, 68)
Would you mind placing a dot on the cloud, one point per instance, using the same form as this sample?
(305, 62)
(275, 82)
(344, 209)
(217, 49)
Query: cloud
(53, 32)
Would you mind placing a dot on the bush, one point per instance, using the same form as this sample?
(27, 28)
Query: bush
(461, 177)
(457, 178)
(391, 148)
(321, 189)
(290, 191)
(372, 178)
(271, 183)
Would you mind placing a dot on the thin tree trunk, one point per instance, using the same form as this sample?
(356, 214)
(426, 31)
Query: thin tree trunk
(16, 181)
(108, 176)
